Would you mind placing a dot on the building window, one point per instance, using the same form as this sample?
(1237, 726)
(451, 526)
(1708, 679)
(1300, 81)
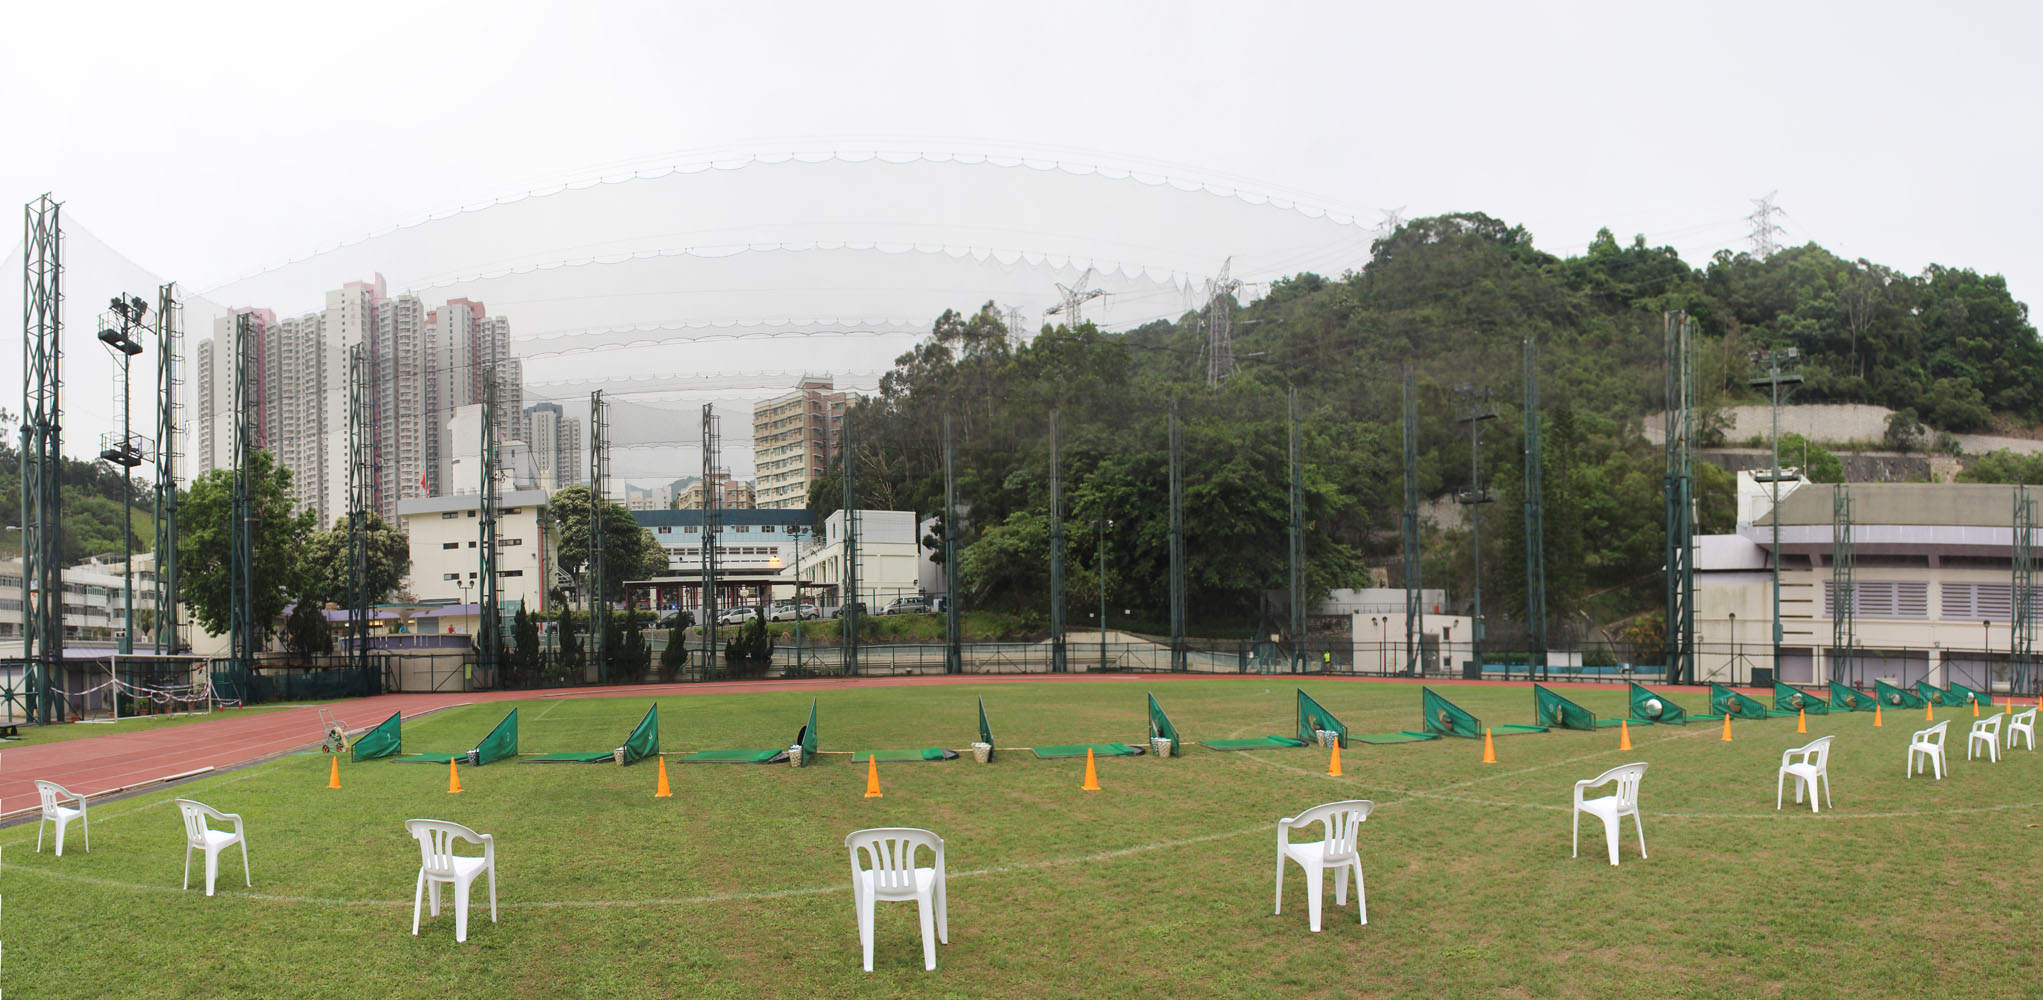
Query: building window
(741, 528)
(471, 513)
(450, 515)
(450, 545)
(450, 576)
(471, 545)
(511, 541)
(512, 572)
(689, 530)
(766, 529)
(666, 530)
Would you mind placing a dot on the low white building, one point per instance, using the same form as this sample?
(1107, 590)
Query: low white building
(446, 554)
(889, 559)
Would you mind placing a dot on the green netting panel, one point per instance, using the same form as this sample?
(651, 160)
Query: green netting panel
(1404, 737)
(1650, 707)
(732, 756)
(808, 737)
(1793, 699)
(386, 740)
(933, 753)
(1159, 726)
(1079, 749)
(985, 731)
(1966, 695)
(1894, 697)
(1257, 743)
(1851, 700)
(644, 741)
(1938, 696)
(500, 744)
(1313, 717)
(1444, 718)
(1724, 701)
(1550, 709)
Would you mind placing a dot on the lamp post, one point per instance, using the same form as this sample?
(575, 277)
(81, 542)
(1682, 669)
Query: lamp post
(799, 531)
(462, 586)
(1734, 646)
(1103, 524)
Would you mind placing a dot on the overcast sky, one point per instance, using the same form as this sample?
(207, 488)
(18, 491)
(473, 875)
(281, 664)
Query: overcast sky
(205, 141)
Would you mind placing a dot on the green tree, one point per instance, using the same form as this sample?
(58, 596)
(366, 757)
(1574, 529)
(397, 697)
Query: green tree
(573, 663)
(386, 558)
(205, 552)
(306, 632)
(623, 540)
(675, 655)
(524, 665)
(1818, 464)
(2003, 466)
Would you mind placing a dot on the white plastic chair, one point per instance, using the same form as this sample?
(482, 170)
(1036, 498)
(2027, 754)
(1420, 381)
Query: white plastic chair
(1985, 732)
(1612, 808)
(438, 863)
(2022, 724)
(53, 795)
(1927, 746)
(1815, 764)
(200, 837)
(891, 874)
(1335, 850)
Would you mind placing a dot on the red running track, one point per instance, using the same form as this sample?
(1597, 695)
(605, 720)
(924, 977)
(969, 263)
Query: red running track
(98, 766)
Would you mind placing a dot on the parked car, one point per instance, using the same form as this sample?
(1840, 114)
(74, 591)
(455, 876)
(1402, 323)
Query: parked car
(737, 616)
(859, 606)
(789, 612)
(683, 618)
(906, 606)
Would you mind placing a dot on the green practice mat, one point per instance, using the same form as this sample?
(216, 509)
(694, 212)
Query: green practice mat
(1517, 730)
(430, 758)
(732, 756)
(567, 758)
(933, 753)
(1404, 737)
(1258, 743)
(1079, 749)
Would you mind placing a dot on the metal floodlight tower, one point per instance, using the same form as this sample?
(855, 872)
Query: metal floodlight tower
(1178, 651)
(850, 608)
(42, 469)
(954, 654)
(1415, 600)
(241, 618)
(490, 647)
(169, 426)
(599, 475)
(1297, 539)
(2022, 637)
(1776, 368)
(1678, 491)
(1844, 594)
(1535, 523)
(1057, 661)
(118, 332)
(1474, 406)
(359, 485)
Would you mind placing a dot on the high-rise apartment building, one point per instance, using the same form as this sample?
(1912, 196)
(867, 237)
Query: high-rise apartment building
(730, 494)
(794, 440)
(421, 365)
(556, 443)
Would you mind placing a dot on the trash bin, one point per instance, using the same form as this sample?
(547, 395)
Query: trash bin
(1762, 677)
(1471, 670)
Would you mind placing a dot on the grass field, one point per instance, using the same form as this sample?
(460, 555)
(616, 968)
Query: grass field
(1157, 886)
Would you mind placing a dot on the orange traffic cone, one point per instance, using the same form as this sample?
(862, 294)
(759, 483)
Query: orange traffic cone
(333, 774)
(1727, 726)
(1489, 748)
(453, 778)
(872, 776)
(1929, 712)
(1802, 720)
(1975, 708)
(1092, 776)
(1334, 762)
(1624, 735)
(663, 792)
(1876, 715)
